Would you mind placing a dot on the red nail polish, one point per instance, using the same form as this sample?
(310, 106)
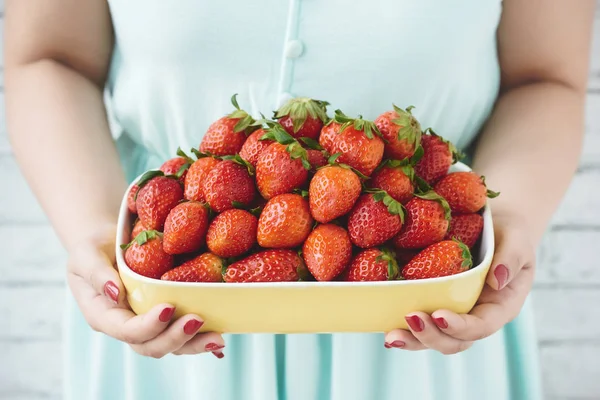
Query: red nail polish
(192, 326)
(501, 274)
(213, 347)
(441, 322)
(219, 354)
(387, 346)
(166, 314)
(112, 291)
(415, 323)
(398, 344)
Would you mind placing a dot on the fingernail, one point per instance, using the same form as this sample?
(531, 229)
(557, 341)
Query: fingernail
(501, 274)
(441, 322)
(112, 291)
(415, 323)
(387, 346)
(213, 347)
(397, 344)
(166, 314)
(192, 326)
(219, 354)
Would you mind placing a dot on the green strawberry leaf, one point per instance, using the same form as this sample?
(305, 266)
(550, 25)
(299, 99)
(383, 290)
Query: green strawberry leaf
(147, 177)
(240, 161)
(238, 205)
(422, 185)
(490, 193)
(301, 192)
(389, 257)
(416, 157)
(410, 130)
(394, 207)
(256, 211)
(311, 143)
(278, 134)
(142, 238)
(332, 159)
(431, 195)
(182, 170)
(298, 109)
(182, 154)
(467, 262)
(200, 154)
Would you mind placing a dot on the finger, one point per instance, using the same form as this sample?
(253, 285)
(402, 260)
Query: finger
(402, 339)
(426, 331)
(94, 267)
(172, 339)
(119, 323)
(513, 252)
(203, 343)
(494, 310)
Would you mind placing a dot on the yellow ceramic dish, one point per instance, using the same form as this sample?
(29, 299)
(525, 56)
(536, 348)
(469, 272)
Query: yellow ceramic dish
(303, 307)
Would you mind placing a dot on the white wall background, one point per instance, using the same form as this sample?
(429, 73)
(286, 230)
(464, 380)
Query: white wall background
(567, 291)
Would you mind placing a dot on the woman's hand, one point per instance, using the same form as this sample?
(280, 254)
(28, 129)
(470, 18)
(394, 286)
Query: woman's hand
(100, 295)
(507, 286)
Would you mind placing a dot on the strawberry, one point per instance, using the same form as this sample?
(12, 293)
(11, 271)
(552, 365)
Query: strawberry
(138, 227)
(327, 251)
(206, 267)
(131, 195)
(359, 142)
(396, 178)
(158, 194)
(373, 265)
(316, 158)
(375, 218)
(145, 255)
(427, 221)
(402, 132)
(332, 192)
(227, 135)
(253, 146)
(185, 228)
(229, 182)
(466, 228)
(177, 166)
(285, 222)
(466, 192)
(444, 258)
(232, 233)
(267, 266)
(196, 174)
(303, 117)
(328, 135)
(438, 156)
(283, 166)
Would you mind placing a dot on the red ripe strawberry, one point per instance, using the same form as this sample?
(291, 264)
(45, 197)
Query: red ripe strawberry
(232, 233)
(375, 218)
(396, 178)
(427, 221)
(138, 227)
(185, 228)
(285, 222)
(177, 166)
(206, 267)
(267, 266)
(359, 142)
(444, 258)
(332, 192)
(228, 183)
(466, 228)
(157, 196)
(327, 251)
(253, 146)
(131, 199)
(145, 255)
(373, 265)
(438, 156)
(227, 135)
(281, 169)
(466, 192)
(402, 132)
(303, 117)
(316, 158)
(328, 135)
(196, 174)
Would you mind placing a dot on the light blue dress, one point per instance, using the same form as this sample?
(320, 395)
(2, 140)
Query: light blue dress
(175, 66)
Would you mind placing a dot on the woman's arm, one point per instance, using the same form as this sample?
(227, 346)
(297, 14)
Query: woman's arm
(57, 57)
(528, 151)
(530, 147)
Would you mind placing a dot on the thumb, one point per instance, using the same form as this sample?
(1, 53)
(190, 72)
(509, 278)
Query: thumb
(513, 252)
(96, 268)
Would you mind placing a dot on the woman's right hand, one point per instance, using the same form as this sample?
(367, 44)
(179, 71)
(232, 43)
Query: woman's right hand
(100, 294)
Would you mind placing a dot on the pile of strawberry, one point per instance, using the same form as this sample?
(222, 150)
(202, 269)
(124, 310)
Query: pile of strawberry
(307, 197)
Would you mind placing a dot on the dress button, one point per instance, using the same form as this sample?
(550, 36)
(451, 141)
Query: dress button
(284, 98)
(294, 49)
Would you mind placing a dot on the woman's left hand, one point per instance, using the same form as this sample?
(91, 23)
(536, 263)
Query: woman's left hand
(507, 285)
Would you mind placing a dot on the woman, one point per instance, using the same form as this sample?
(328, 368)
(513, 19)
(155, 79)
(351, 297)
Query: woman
(511, 74)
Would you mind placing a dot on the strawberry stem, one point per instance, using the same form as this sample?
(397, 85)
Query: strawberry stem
(298, 109)
(368, 127)
(411, 128)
